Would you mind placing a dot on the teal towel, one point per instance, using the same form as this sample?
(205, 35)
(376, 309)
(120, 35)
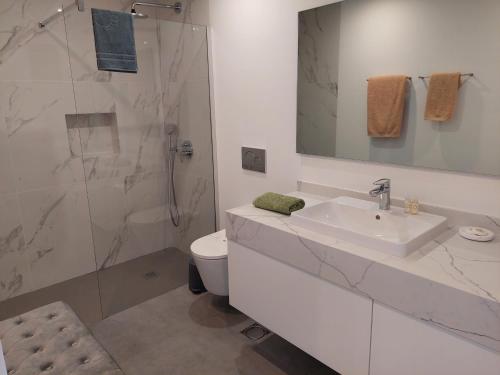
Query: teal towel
(114, 41)
(283, 204)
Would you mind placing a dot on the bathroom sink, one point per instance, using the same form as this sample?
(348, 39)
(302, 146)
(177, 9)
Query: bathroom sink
(361, 222)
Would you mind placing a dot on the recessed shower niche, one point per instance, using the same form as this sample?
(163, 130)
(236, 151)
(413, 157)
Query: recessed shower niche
(98, 133)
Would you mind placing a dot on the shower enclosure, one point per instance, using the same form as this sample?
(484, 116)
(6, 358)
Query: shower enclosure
(86, 159)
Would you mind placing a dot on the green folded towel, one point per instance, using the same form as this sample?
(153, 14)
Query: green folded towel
(279, 203)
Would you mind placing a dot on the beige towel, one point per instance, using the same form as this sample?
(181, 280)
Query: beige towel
(442, 96)
(386, 104)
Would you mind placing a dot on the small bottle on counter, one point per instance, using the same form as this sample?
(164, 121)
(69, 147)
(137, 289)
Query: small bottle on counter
(407, 205)
(415, 207)
(412, 205)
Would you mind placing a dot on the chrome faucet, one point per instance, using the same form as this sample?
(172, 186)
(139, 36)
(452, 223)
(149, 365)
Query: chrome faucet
(383, 190)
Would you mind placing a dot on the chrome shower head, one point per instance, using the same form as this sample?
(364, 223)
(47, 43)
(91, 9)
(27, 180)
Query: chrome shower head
(177, 7)
(138, 15)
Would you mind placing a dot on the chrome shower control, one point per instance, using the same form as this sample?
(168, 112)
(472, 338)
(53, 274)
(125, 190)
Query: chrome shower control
(186, 149)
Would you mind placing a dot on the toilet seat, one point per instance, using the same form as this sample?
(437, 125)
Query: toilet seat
(211, 247)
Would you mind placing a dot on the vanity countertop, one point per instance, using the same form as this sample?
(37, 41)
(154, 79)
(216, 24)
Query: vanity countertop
(451, 282)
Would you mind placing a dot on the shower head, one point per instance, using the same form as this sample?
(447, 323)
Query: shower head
(138, 15)
(177, 7)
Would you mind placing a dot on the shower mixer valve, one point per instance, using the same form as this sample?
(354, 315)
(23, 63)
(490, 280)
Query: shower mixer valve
(185, 149)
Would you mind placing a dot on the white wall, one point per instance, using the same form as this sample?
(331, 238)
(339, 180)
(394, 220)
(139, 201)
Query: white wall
(254, 54)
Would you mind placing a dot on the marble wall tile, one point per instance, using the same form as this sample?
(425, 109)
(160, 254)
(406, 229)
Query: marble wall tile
(15, 276)
(129, 220)
(96, 97)
(184, 59)
(7, 179)
(150, 223)
(14, 270)
(57, 232)
(109, 218)
(139, 133)
(28, 52)
(34, 119)
(11, 228)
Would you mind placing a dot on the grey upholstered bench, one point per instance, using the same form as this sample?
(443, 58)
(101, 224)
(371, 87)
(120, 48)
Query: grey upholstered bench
(51, 340)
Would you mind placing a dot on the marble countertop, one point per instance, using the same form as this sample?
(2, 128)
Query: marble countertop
(451, 282)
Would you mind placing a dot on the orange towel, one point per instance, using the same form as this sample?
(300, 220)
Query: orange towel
(442, 96)
(386, 104)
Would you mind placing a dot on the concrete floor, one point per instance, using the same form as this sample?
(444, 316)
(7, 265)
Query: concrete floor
(100, 294)
(130, 283)
(179, 333)
(175, 332)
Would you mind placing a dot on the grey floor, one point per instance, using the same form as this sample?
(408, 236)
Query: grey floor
(141, 279)
(100, 294)
(154, 325)
(179, 333)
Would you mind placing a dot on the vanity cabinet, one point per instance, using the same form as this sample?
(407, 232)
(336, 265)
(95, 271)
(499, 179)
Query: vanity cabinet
(326, 321)
(404, 345)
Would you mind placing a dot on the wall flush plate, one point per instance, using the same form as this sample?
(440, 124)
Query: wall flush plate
(253, 159)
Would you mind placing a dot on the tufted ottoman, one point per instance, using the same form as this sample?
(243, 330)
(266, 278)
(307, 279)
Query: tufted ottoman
(51, 340)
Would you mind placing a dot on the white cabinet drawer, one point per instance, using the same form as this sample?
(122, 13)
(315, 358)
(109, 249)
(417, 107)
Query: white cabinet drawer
(403, 345)
(326, 321)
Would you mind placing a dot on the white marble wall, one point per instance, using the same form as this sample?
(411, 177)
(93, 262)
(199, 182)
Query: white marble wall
(73, 201)
(45, 231)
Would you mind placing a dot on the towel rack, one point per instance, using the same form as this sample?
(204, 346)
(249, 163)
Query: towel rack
(461, 75)
(408, 78)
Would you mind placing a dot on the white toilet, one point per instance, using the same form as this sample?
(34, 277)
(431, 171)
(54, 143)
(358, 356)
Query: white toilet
(210, 255)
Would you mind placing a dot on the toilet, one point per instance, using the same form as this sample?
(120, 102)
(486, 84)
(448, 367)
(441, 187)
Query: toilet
(210, 256)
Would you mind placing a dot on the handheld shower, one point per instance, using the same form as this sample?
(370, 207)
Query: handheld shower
(172, 131)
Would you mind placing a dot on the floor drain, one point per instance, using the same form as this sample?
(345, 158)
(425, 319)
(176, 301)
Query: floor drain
(150, 275)
(255, 332)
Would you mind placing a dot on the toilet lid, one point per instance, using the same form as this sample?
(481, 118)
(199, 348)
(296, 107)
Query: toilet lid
(213, 246)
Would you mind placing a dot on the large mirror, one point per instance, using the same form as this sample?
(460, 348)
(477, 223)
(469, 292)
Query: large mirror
(342, 46)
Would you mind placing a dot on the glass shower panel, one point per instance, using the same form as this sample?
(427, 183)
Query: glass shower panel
(84, 168)
(121, 123)
(186, 103)
(46, 244)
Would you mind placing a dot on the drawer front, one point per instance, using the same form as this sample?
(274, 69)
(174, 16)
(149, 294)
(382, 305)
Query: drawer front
(328, 322)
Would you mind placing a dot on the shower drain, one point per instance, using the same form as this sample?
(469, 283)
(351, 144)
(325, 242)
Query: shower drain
(150, 275)
(255, 331)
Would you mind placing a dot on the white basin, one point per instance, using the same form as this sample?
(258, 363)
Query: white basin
(361, 222)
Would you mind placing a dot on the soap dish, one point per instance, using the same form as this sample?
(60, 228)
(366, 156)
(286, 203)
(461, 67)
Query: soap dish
(476, 234)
